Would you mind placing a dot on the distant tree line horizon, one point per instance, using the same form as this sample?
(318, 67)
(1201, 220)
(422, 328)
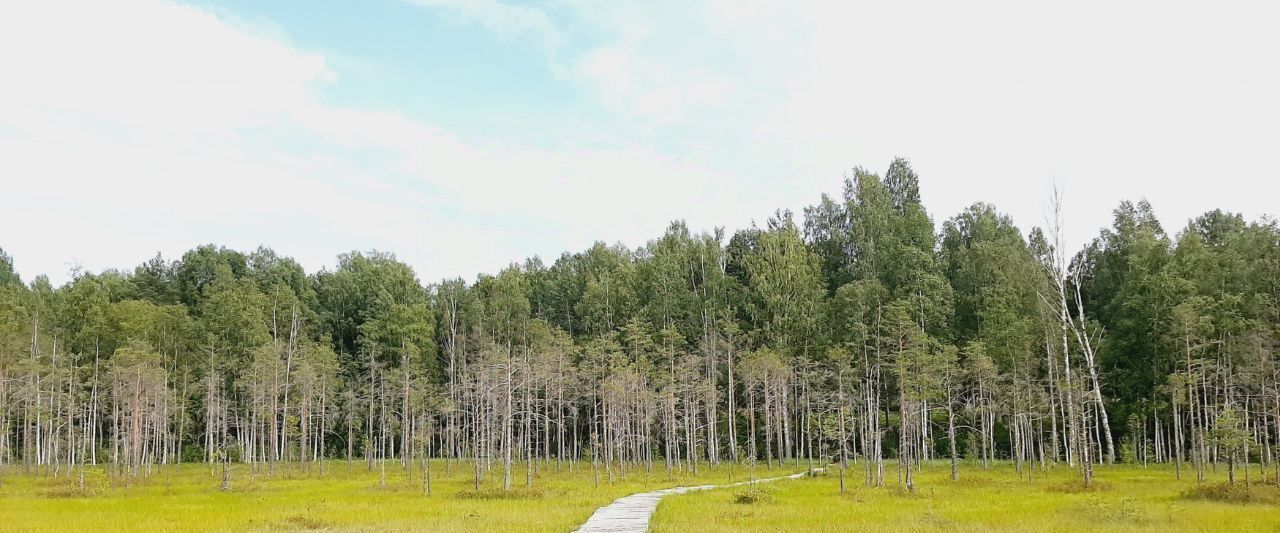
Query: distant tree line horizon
(858, 334)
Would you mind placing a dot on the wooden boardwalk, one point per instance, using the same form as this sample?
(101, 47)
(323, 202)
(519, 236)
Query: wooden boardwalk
(631, 514)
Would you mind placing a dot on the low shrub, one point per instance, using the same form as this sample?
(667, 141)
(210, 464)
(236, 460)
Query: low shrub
(753, 496)
(519, 493)
(1238, 493)
(301, 522)
(1110, 509)
(1076, 486)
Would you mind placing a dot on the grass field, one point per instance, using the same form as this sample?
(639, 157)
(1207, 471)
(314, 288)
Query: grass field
(188, 499)
(351, 498)
(1125, 498)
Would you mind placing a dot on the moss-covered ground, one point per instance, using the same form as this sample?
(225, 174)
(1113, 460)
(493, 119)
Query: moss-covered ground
(1124, 498)
(350, 497)
(346, 498)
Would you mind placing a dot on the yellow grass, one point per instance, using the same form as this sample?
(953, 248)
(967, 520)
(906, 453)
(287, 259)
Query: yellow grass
(351, 498)
(1125, 498)
(346, 498)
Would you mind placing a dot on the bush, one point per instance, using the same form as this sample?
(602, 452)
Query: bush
(971, 448)
(1128, 451)
(1112, 509)
(753, 496)
(1238, 493)
(83, 483)
(1076, 486)
(519, 493)
(192, 454)
(305, 523)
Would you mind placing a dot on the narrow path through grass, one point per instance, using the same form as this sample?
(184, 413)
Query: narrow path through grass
(630, 514)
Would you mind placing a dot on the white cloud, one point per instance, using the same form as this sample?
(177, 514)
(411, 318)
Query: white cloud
(143, 124)
(990, 100)
(637, 87)
(146, 125)
(507, 20)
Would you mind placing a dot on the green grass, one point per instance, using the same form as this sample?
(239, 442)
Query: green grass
(346, 498)
(1125, 498)
(351, 498)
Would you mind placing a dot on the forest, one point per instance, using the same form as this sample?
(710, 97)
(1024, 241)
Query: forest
(860, 334)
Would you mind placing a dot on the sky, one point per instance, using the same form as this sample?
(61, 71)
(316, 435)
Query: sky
(463, 135)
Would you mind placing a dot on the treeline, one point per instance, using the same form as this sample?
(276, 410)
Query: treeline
(861, 333)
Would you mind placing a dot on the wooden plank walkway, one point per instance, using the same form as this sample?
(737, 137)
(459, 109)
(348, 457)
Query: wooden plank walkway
(631, 514)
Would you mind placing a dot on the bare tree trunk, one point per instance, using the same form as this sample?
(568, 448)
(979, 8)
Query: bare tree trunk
(951, 439)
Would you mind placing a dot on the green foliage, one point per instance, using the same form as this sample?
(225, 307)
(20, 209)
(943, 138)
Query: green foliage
(785, 280)
(756, 494)
(1235, 493)
(864, 302)
(373, 302)
(7, 275)
(1229, 434)
(201, 267)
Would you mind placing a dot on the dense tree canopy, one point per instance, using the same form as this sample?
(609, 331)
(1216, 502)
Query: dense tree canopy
(861, 332)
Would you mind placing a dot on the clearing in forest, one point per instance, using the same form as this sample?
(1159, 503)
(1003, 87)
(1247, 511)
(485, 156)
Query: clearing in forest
(345, 498)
